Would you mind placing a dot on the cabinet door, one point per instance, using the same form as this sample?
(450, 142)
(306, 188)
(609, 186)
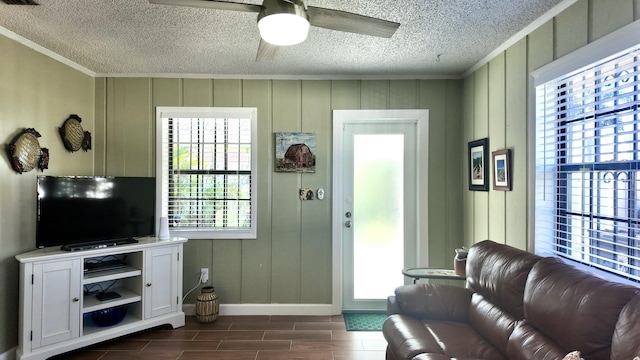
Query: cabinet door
(56, 302)
(161, 281)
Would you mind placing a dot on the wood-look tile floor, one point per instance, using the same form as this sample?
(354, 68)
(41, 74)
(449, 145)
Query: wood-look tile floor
(244, 338)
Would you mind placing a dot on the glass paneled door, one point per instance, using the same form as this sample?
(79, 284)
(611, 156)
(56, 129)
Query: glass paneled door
(378, 209)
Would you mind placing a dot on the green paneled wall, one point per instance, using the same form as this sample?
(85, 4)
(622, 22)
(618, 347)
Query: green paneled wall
(516, 135)
(35, 92)
(291, 260)
(496, 104)
(497, 135)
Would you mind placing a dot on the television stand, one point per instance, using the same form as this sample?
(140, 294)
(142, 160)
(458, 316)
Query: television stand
(98, 244)
(58, 298)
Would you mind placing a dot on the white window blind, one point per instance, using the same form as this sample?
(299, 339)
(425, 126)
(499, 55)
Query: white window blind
(587, 185)
(207, 171)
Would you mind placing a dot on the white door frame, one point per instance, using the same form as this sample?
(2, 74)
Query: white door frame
(342, 117)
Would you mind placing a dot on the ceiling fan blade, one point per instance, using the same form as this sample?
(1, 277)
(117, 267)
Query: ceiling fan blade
(210, 4)
(350, 22)
(266, 51)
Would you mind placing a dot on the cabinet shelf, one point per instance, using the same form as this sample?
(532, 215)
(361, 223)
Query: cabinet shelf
(91, 303)
(89, 327)
(112, 274)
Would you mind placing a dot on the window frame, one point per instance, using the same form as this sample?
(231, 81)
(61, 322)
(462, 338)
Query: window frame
(598, 51)
(162, 158)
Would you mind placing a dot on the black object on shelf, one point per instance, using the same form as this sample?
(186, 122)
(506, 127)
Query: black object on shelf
(90, 267)
(109, 316)
(98, 244)
(109, 295)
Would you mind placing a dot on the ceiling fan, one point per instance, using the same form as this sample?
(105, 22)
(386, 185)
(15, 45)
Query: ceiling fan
(287, 22)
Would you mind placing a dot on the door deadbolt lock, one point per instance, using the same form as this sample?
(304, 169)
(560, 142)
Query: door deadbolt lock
(348, 214)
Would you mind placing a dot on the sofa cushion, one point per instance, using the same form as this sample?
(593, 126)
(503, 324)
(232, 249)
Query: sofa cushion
(578, 310)
(491, 322)
(433, 301)
(461, 341)
(499, 272)
(408, 337)
(527, 343)
(626, 336)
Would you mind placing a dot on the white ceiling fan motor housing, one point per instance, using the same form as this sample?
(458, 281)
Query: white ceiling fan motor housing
(283, 23)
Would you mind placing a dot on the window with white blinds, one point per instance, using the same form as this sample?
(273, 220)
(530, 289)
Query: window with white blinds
(206, 171)
(587, 185)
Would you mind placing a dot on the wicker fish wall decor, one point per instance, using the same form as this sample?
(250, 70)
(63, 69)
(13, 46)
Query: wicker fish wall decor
(73, 136)
(25, 152)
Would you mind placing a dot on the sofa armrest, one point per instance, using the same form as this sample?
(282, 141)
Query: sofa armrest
(392, 306)
(433, 301)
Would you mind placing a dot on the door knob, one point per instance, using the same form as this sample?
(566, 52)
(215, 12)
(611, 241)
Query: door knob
(347, 214)
(348, 224)
(148, 284)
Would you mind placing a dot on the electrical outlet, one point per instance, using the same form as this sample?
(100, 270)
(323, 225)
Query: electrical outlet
(204, 275)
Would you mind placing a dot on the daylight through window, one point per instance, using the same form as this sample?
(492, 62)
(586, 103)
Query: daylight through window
(207, 171)
(588, 166)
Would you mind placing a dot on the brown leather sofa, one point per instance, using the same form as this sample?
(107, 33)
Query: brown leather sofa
(516, 306)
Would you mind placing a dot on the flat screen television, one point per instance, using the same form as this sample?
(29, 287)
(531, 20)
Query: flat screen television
(82, 212)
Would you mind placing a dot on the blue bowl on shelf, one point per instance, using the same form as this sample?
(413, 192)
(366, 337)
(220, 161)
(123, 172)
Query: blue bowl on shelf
(109, 316)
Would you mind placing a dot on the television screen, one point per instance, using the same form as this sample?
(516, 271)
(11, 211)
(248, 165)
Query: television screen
(75, 210)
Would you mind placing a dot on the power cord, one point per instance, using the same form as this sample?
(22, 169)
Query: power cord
(89, 289)
(195, 287)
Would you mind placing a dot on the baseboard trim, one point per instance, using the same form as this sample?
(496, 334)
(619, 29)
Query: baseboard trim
(9, 354)
(267, 309)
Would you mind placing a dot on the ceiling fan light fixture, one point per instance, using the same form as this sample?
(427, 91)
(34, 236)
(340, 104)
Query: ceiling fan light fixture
(283, 29)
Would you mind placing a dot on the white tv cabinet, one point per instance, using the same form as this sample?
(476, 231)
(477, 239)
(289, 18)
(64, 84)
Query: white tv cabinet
(57, 295)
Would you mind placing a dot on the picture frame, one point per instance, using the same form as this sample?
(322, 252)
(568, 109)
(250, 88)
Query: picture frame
(478, 165)
(501, 160)
(295, 152)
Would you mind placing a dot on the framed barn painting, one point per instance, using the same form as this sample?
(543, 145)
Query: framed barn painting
(479, 165)
(295, 152)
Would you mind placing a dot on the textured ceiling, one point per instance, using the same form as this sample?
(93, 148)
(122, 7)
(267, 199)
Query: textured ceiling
(130, 37)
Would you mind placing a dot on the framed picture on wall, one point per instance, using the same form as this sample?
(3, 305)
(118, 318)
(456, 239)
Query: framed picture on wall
(501, 169)
(478, 167)
(295, 152)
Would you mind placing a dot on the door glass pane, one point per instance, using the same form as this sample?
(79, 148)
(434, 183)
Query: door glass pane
(378, 214)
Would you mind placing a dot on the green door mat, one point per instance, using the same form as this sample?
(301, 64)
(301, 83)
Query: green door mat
(364, 321)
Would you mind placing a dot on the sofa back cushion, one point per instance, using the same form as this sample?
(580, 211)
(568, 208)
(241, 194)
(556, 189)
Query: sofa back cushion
(433, 301)
(491, 322)
(576, 309)
(498, 272)
(527, 343)
(626, 336)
